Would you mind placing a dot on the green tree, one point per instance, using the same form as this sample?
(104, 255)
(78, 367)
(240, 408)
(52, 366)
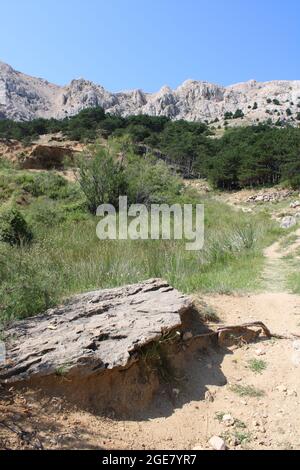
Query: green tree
(102, 178)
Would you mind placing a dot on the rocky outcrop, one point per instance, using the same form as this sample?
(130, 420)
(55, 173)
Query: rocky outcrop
(47, 157)
(48, 152)
(93, 332)
(24, 98)
(269, 195)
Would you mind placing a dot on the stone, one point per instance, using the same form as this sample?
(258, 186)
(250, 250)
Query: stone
(217, 443)
(209, 397)
(93, 332)
(228, 420)
(187, 336)
(197, 448)
(288, 222)
(292, 393)
(296, 345)
(296, 359)
(260, 352)
(281, 388)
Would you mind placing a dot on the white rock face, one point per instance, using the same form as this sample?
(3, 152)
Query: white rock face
(24, 98)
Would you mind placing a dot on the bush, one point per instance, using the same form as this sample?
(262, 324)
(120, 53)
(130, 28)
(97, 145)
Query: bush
(150, 181)
(43, 184)
(13, 227)
(238, 114)
(102, 179)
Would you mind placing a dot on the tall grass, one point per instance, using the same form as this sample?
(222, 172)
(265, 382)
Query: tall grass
(67, 257)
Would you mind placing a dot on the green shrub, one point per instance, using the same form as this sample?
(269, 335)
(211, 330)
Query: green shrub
(13, 227)
(238, 114)
(43, 184)
(102, 179)
(150, 181)
(28, 284)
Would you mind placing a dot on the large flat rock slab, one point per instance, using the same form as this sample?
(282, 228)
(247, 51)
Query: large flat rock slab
(93, 332)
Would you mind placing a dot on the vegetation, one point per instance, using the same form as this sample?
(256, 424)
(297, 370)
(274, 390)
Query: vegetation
(243, 157)
(48, 244)
(257, 366)
(13, 227)
(256, 156)
(247, 391)
(66, 257)
(105, 176)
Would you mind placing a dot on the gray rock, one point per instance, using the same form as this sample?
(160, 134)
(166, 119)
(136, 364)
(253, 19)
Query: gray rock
(288, 222)
(92, 332)
(217, 443)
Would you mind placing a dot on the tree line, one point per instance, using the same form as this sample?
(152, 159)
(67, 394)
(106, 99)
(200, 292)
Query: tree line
(244, 157)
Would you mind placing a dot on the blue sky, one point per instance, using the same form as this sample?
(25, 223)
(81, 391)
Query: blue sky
(125, 44)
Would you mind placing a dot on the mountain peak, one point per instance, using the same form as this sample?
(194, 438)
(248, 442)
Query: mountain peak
(23, 98)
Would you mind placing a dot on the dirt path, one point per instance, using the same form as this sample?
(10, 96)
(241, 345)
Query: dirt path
(277, 266)
(264, 405)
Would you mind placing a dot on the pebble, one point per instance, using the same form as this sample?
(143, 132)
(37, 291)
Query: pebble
(209, 397)
(228, 420)
(217, 443)
(187, 336)
(260, 352)
(281, 388)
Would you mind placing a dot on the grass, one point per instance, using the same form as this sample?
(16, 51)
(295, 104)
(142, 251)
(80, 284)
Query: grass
(62, 370)
(244, 437)
(293, 282)
(238, 433)
(66, 257)
(285, 242)
(247, 391)
(257, 366)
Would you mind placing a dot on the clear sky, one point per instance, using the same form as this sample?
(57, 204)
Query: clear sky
(125, 44)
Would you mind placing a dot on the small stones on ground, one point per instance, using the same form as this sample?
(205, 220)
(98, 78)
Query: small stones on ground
(197, 447)
(234, 441)
(288, 221)
(228, 420)
(217, 443)
(209, 397)
(281, 388)
(292, 393)
(296, 345)
(260, 352)
(187, 336)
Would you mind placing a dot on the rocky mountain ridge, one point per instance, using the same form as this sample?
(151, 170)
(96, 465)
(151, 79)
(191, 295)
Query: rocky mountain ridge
(24, 98)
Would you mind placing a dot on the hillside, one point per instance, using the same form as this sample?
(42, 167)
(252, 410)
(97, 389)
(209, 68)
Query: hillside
(25, 98)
